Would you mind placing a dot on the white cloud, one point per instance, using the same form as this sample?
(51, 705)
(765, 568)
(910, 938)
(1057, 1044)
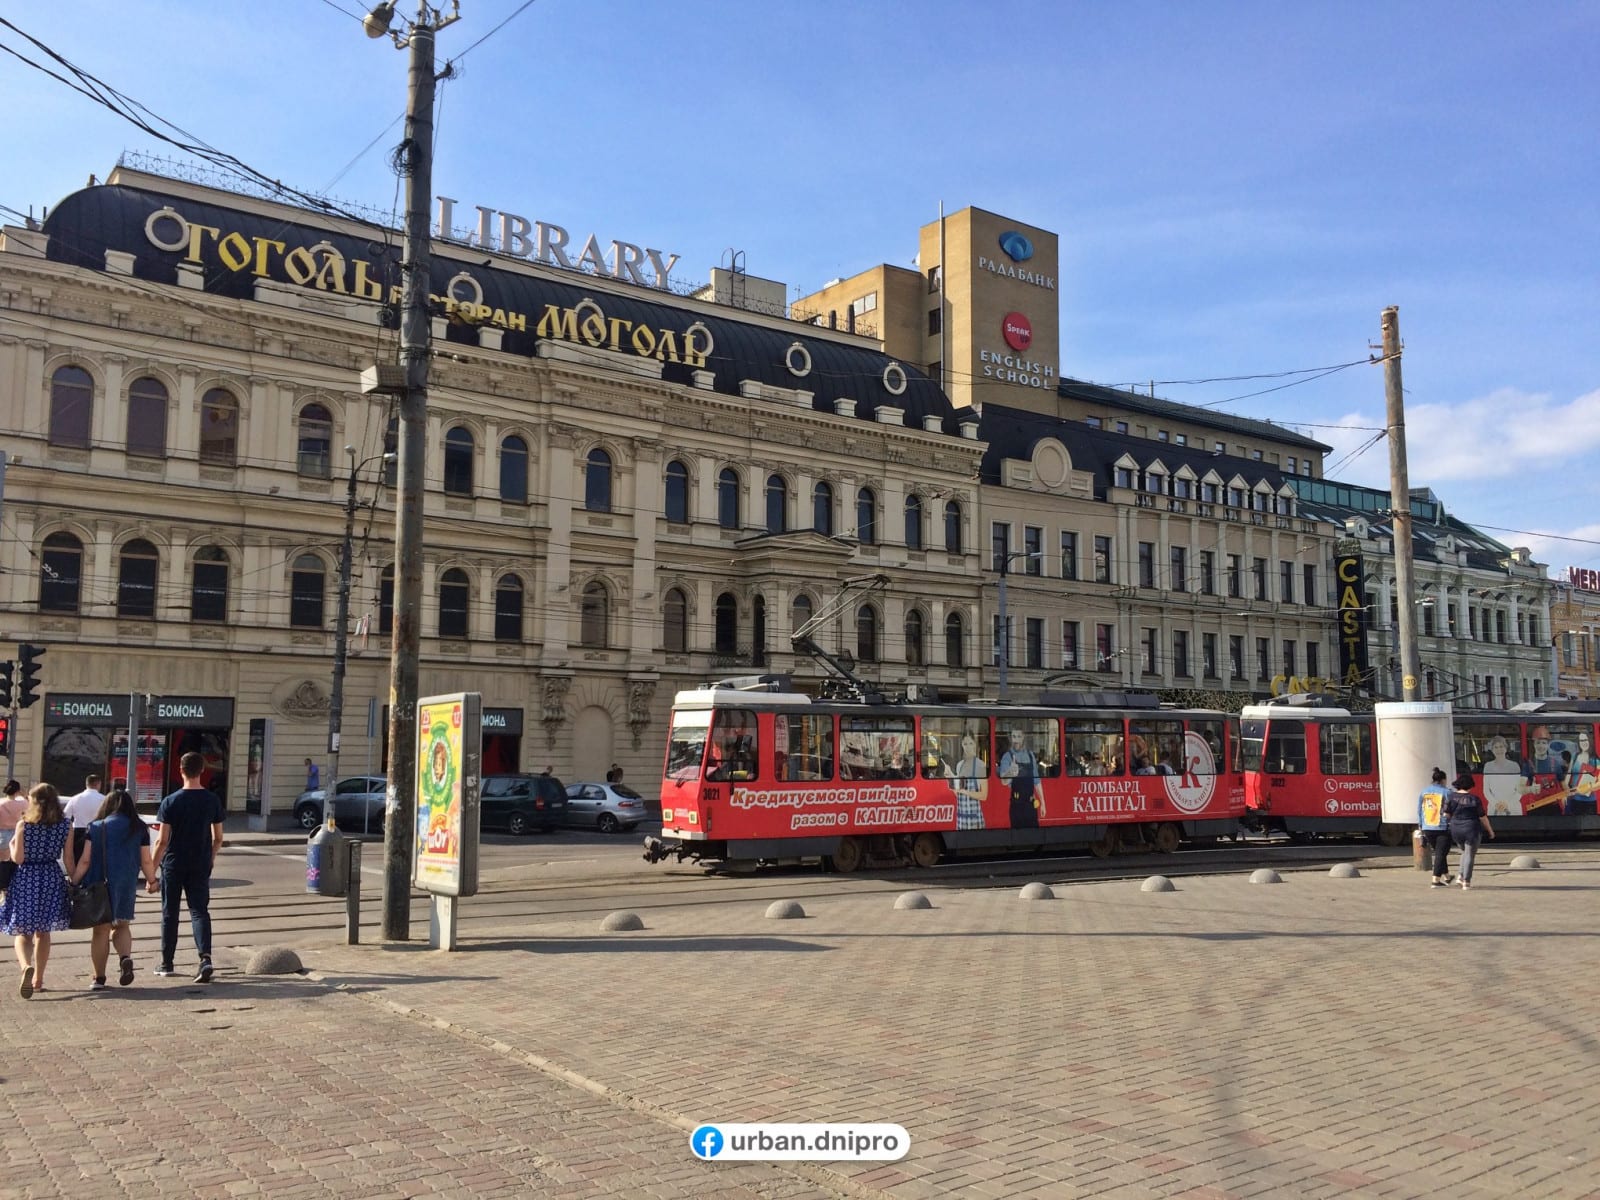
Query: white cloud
(1507, 432)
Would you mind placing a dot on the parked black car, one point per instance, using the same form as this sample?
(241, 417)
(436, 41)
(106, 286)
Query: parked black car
(520, 803)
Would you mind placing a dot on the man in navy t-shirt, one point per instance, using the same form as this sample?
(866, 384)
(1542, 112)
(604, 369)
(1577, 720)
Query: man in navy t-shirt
(186, 848)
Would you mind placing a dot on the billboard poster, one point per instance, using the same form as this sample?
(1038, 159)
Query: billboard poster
(148, 781)
(1355, 674)
(446, 853)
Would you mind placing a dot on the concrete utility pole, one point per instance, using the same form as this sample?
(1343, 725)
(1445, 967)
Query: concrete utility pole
(416, 157)
(1400, 503)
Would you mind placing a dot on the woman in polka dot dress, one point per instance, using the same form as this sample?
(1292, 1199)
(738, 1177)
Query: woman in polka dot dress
(36, 902)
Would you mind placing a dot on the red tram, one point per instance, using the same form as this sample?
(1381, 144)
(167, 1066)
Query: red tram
(759, 773)
(1312, 767)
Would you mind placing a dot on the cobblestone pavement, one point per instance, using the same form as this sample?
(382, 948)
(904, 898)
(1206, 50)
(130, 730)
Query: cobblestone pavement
(1320, 1037)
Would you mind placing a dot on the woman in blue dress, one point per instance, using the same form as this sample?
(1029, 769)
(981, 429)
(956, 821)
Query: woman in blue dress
(118, 845)
(36, 902)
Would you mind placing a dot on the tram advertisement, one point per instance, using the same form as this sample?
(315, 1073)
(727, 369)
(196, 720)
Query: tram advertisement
(446, 855)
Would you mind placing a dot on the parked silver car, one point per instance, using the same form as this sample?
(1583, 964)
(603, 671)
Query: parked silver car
(358, 804)
(608, 807)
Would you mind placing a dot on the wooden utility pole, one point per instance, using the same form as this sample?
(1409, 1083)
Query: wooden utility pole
(1400, 504)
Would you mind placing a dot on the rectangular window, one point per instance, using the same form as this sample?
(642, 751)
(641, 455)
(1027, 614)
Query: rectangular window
(877, 747)
(1033, 638)
(1033, 547)
(1263, 659)
(1180, 652)
(1569, 650)
(1288, 657)
(1147, 564)
(1093, 747)
(735, 753)
(1002, 639)
(1069, 645)
(1258, 572)
(1180, 568)
(1155, 747)
(1286, 581)
(1235, 583)
(1122, 427)
(1208, 654)
(1218, 447)
(1181, 439)
(1208, 572)
(1161, 435)
(1313, 666)
(1102, 561)
(1069, 555)
(1310, 596)
(1092, 422)
(804, 749)
(957, 749)
(1123, 477)
(1105, 647)
(1345, 748)
(1152, 651)
(1025, 745)
(999, 545)
(935, 322)
(1286, 748)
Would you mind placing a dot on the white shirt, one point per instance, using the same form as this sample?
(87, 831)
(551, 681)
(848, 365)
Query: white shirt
(83, 808)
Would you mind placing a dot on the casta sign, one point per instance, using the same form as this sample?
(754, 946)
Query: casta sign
(1017, 330)
(542, 242)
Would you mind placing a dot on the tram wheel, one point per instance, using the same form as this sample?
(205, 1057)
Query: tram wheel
(927, 849)
(1392, 835)
(1106, 845)
(849, 856)
(1167, 838)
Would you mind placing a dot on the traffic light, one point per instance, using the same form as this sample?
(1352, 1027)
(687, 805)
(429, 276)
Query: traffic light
(28, 684)
(7, 671)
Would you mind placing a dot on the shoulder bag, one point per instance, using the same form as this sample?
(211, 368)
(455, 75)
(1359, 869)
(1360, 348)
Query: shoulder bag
(91, 902)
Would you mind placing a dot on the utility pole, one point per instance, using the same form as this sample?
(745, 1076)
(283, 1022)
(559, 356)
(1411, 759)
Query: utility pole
(1400, 504)
(416, 157)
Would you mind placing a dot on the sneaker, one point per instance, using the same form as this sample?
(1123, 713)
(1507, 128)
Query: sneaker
(99, 984)
(203, 975)
(165, 969)
(1466, 885)
(125, 976)
(1437, 882)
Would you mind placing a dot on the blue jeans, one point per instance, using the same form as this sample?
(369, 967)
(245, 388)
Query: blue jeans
(194, 885)
(1469, 852)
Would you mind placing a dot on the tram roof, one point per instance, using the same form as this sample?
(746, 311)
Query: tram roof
(758, 698)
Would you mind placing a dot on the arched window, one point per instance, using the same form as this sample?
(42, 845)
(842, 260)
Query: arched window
(597, 481)
(508, 609)
(316, 442)
(219, 429)
(459, 445)
(758, 632)
(386, 600)
(955, 641)
(728, 498)
(866, 634)
(208, 587)
(913, 522)
(71, 407)
(455, 599)
(867, 517)
(675, 622)
(952, 527)
(677, 505)
(308, 581)
(822, 508)
(727, 624)
(60, 573)
(914, 653)
(147, 418)
(777, 504)
(137, 567)
(595, 615)
(514, 470)
(799, 612)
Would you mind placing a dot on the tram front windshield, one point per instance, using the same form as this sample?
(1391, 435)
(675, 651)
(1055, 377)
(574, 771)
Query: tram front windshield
(686, 746)
(1252, 739)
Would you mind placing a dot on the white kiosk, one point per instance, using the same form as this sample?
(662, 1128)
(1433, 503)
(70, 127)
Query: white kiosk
(1414, 737)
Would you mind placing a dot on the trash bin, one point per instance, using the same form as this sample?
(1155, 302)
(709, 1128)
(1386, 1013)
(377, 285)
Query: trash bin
(327, 863)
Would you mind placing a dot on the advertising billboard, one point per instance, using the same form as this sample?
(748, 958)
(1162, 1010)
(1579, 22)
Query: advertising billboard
(449, 731)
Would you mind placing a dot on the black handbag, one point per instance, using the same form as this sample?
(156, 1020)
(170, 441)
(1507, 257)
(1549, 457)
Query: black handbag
(91, 902)
(8, 871)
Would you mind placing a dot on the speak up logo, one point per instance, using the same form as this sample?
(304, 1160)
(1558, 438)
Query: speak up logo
(1017, 247)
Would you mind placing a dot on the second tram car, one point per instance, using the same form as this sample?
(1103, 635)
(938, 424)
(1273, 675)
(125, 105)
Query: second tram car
(759, 773)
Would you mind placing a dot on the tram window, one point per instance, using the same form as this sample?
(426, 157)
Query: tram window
(951, 744)
(803, 748)
(877, 748)
(1252, 738)
(1021, 737)
(733, 753)
(686, 744)
(1286, 749)
(1155, 747)
(1212, 733)
(1480, 742)
(1568, 755)
(1345, 748)
(1093, 747)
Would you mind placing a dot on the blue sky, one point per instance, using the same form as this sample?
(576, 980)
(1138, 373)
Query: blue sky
(1238, 188)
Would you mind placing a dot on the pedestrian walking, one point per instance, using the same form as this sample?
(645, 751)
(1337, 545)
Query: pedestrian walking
(1468, 821)
(36, 902)
(118, 845)
(1432, 824)
(313, 776)
(186, 849)
(82, 809)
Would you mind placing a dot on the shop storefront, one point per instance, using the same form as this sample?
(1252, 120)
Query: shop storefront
(502, 741)
(88, 735)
